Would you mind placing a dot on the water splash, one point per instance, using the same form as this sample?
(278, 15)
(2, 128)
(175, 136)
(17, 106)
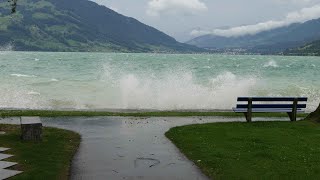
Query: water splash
(18, 98)
(178, 89)
(54, 80)
(7, 47)
(34, 93)
(271, 63)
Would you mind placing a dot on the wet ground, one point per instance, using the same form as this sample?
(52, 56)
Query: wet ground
(129, 148)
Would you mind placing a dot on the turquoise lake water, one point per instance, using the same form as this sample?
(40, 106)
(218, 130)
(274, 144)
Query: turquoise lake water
(40, 80)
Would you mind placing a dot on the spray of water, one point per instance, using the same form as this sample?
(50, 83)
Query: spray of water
(271, 63)
(6, 48)
(177, 89)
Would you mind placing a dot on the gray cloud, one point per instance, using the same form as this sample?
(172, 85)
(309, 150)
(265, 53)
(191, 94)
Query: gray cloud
(301, 16)
(158, 7)
(180, 21)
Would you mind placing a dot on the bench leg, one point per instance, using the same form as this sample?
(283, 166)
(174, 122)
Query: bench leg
(292, 116)
(248, 116)
(249, 113)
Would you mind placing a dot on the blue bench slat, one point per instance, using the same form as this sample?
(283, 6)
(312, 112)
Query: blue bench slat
(271, 106)
(272, 98)
(242, 110)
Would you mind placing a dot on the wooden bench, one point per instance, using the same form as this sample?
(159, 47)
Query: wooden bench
(271, 105)
(31, 128)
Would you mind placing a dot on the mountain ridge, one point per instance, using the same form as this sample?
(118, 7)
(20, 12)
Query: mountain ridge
(80, 25)
(267, 42)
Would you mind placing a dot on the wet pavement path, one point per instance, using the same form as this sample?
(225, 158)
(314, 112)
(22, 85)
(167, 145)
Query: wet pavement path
(129, 148)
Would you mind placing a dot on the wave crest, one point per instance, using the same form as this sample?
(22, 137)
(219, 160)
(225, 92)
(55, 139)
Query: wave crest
(271, 63)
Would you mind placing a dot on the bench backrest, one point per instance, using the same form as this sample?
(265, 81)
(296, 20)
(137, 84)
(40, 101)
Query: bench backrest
(299, 101)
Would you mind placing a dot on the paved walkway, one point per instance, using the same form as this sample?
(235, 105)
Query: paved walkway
(129, 148)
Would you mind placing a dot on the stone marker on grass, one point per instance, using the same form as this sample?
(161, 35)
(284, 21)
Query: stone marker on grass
(31, 129)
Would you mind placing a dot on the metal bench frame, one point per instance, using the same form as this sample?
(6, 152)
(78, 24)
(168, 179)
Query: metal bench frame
(290, 109)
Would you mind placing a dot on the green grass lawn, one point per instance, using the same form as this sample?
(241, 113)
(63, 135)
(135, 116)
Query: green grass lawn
(49, 159)
(48, 113)
(261, 150)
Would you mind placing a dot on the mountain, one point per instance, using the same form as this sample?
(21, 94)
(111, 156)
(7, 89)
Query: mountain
(310, 49)
(267, 42)
(79, 25)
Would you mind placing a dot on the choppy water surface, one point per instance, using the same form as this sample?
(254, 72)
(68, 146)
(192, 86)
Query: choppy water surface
(150, 81)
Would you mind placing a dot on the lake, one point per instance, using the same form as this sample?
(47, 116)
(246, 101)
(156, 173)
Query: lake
(45, 80)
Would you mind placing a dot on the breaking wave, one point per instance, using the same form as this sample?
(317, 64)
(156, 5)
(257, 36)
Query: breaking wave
(23, 75)
(271, 63)
(6, 47)
(132, 91)
(180, 91)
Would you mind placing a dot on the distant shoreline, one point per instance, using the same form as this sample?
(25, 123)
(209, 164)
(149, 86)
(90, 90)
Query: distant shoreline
(173, 53)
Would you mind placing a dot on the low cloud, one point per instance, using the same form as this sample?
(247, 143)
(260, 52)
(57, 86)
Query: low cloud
(301, 16)
(294, 1)
(158, 7)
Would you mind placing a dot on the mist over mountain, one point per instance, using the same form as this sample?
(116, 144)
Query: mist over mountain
(266, 42)
(79, 25)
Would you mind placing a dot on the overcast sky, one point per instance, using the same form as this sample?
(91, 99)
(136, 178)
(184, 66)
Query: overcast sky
(184, 19)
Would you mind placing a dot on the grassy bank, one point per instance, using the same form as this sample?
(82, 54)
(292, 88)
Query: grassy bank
(262, 150)
(47, 113)
(48, 160)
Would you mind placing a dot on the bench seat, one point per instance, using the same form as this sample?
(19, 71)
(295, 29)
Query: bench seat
(267, 110)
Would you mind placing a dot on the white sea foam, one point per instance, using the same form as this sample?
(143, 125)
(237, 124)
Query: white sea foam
(34, 93)
(7, 47)
(207, 67)
(19, 98)
(23, 75)
(54, 80)
(271, 63)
